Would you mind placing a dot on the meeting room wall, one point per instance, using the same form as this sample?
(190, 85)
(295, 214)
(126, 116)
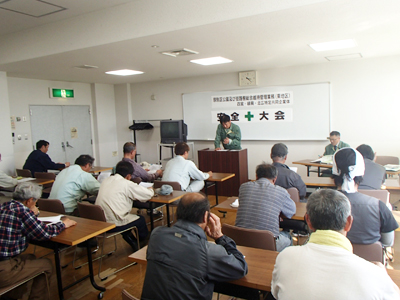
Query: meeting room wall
(364, 105)
(6, 148)
(24, 92)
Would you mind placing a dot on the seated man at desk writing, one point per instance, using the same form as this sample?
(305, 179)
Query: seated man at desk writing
(327, 266)
(261, 202)
(18, 225)
(116, 196)
(39, 160)
(373, 221)
(375, 174)
(227, 133)
(286, 177)
(181, 169)
(182, 264)
(73, 183)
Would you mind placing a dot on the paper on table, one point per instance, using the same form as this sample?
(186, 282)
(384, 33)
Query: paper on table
(393, 168)
(51, 220)
(326, 159)
(146, 184)
(294, 169)
(26, 179)
(154, 168)
(235, 203)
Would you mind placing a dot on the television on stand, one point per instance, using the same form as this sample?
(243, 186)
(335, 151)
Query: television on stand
(173, 131)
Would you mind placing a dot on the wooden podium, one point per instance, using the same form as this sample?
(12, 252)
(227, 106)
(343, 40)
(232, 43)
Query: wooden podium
(225, 162)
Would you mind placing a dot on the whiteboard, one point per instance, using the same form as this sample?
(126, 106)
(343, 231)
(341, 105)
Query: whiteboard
(297, 112)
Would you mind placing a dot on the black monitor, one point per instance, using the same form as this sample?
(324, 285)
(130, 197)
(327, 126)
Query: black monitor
(173, 131)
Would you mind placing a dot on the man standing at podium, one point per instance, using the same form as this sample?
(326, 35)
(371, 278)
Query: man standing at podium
(227, 133)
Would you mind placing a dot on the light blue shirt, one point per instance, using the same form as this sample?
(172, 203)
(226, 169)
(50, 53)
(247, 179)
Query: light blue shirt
(181, 170)
(71, 185)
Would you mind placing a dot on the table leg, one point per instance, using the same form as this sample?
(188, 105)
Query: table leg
(91, 276)
(216, 193)
(58, 271)
(168, 220)
(151, 216)
(308, 171)
(319, 171)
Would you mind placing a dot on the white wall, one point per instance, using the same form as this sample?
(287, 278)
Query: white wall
(364, 100)
(123, 109)
(6, 149)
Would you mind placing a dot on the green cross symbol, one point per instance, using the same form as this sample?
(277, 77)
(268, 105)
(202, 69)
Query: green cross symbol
(249, 116)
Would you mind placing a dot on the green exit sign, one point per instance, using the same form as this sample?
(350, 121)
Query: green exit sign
(61, 93)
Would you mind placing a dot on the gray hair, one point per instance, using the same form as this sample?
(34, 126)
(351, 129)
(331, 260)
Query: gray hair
(27, 190)
(328, 209)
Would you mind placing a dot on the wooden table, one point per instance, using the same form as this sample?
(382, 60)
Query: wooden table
(95, 170)
(164, 199)
(84, 230)
(260, 263)
(226, 206)
(216, 178)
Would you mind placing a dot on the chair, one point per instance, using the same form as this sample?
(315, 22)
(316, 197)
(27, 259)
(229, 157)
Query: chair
(7, 289)
(371, 252)
(45, 175)
(24, 172)
(262, 239)
(387, 160)
(95, 212)
(127, 296)
(294, 194)
(382, 195)
(52, 205)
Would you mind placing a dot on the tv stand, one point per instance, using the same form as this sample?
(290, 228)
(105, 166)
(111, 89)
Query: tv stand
(172, 146)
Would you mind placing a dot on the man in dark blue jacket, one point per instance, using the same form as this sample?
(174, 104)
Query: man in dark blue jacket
(39, 161)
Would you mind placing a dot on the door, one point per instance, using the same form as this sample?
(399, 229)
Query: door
(66, 128)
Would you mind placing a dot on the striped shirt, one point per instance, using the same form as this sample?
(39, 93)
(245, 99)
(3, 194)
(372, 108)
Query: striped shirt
(18, 225)
(261, 203)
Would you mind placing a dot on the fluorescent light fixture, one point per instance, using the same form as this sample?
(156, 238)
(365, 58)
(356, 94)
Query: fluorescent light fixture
(211, 61)
(124, 72)
(343, 44)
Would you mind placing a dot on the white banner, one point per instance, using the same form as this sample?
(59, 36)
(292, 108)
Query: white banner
(252, 100)
(256, 115)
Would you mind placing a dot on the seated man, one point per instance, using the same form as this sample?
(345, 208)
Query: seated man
(261, 202)
(182, 264)
(326, 268)
(39, 161)
(373, 221)
(286, 177)
(375, 174)
(336, 143)
(182, 170)
(116, 196)
(73, 183)
(7, 181)
(227, 133)
(18, 225)
(138, 171)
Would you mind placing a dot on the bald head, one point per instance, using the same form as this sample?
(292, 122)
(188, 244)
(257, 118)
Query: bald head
(193, 207)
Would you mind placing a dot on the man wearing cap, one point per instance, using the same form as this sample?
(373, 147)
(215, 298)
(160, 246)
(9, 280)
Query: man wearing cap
(336, 143)
(326, 268)
(182, 170)
(375, 174)
(286, 177)
(227, 133)
(373, 221)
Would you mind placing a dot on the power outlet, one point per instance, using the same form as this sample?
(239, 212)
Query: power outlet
(115, 153)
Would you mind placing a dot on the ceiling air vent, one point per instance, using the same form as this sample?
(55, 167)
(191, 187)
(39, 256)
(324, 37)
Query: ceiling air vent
(179, 52)
(86, 67)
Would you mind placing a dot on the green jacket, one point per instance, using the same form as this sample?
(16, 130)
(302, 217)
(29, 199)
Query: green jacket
(232, 133)
(329, 150)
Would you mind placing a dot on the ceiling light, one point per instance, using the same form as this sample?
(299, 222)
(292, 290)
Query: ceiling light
(124, 72)
(86, 67)
(179, 52)
(344, 57)
(343, 44)
(211, 61)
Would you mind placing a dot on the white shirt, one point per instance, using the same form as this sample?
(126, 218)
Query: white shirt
(181, 170)
(116, 195)
(317, 271)
(7, 181)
